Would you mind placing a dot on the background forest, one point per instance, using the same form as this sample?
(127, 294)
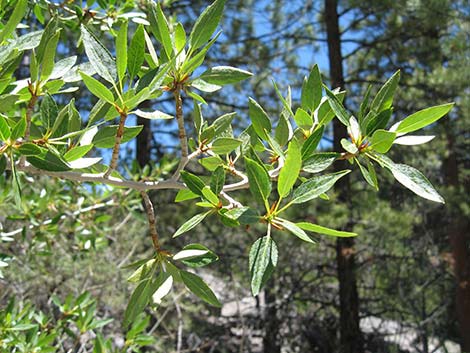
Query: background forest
(403, 285)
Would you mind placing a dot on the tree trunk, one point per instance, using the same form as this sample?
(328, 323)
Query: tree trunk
(350, 334)
(459, 237)
(143, 142)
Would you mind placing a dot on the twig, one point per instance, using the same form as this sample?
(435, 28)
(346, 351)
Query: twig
(181, 131)
(179, 337)
(232, 202)
(117, 145)
(183, 162)
(151, 219)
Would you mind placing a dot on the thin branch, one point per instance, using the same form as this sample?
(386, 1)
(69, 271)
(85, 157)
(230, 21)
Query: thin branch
(117, 145)
(151, 218)
(183, 163)
(181, 130)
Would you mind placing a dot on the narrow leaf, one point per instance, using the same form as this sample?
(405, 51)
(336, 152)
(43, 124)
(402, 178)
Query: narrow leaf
(259, 119)
(97, 88)
(290, 171)
(315, 228)
(198, 287)
(423, 118)
(262, 259)
(316, 186)
(260, 184)
(191, 223)
(206, 24)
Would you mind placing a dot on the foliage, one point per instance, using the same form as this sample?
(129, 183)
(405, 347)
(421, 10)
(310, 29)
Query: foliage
(276, 159)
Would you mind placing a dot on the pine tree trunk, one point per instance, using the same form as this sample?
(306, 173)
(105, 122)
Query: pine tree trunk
(350, 334)
(459, 237)
(144, 141)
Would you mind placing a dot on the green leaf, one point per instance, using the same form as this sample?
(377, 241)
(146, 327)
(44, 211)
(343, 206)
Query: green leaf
(414, 180)
(290, 171)
(337, 107)
(135, 56)
(349, 146)
(294, 229)
(19, 129)
(193, 182)
(382, 140)
(224, 145)
(141, 296)
(106, 136)
(311, 143)
(48, 160)
(315, 228)
(211, 162)
(262, 260)
(49, 111)
(97, 88)
(367, 176)
(160, 28)
(62, 67)
(423, 118)
(47, 64)
(259, 119)
(180, 37)
(191, 223)
(222, 124)
(210, 196)
(206, 24)
(19, 11)
(318, 162)
(198, 287)
(8, 101)
(218, 180)
(303, 119)
(316, 186)
(29, 149)
(260, 183)
(99, 56)
(312, 90)
(223, 75)
(205, 86)
(196, 255)
(5, 131)
(384, 98)
(184, 195)
(121, 51)
(77, 152)
(192, 64)
(378, 121)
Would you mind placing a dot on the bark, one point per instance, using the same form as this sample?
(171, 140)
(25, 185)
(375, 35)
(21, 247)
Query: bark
(144, 140)
(350, 334)
(459, 237)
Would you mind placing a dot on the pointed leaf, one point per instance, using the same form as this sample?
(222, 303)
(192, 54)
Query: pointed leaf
(193, 182)
(414, 180)
(294, 229)
(206, 24)
(198, 287)
(135, 56)
(262, 260)
(312, 90)
(319, 162)
(260, 183)
(382, 140)
(223, 75)
(315, 228)
(290, 171)
(423, 118)
(97, 88)
(316, 186)
(259, 119)
(191, 223)
(383, 99)
(218, 180)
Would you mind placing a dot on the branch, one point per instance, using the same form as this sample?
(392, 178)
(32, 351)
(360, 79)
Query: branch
(181, 132)
(117, 145)
(151, 218)
(100, 178)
